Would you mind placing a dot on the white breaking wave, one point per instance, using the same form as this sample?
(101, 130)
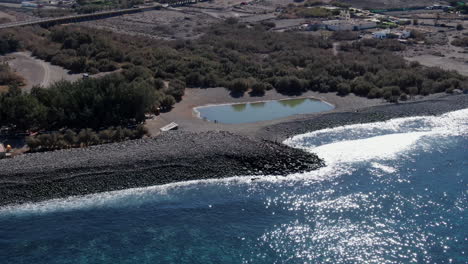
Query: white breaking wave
(376, 141)
(382, 147)
(382, 140)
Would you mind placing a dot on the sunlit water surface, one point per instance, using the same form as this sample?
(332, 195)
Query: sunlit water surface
(392, 192)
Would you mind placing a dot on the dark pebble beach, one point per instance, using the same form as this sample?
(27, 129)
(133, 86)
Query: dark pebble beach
(182, 156)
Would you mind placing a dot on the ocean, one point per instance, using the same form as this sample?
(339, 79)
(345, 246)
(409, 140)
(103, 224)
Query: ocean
(391, 192)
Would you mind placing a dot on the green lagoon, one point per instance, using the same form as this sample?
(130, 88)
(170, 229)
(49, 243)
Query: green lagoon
(261, 111)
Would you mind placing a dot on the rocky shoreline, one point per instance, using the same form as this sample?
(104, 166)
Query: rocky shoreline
(171, 157)
(181, 156)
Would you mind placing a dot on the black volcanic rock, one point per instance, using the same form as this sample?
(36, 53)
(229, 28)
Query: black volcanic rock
(171, 157)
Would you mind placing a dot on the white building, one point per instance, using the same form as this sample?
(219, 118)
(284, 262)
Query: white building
(404, 34)
(381, 34)
(29, 5)
(348, 25)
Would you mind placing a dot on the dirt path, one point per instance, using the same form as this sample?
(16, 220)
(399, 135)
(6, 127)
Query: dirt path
(46, 79)
(38, 72)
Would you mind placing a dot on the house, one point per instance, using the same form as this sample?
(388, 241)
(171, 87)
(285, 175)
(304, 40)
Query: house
(348, 25)
(381, 34)
(404, 34)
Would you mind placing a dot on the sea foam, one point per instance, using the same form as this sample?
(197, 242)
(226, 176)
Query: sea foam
(380, 140)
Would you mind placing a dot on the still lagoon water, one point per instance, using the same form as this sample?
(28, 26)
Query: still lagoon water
(261, 111)
(392, 192)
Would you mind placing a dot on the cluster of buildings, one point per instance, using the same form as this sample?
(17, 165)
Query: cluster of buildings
(42, 3)
(363, 21)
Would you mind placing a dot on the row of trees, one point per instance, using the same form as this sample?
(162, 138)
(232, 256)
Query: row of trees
(84, 138)
(95, 103)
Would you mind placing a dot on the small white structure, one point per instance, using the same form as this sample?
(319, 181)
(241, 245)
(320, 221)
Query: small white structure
(29, 5)
(404, 34)
(2, 151)
(171, 126)
(381, 34)
(348, 25)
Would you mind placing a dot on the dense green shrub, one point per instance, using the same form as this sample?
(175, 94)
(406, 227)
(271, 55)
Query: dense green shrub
(7, 77)
(460, 42)
(95, 103)
(8, 43)
(83, 138)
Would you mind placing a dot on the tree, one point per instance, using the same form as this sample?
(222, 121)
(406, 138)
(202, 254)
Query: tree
(141, 131)
(167, 102)
(361, 87)
(239, 85)
(33, 143)
(70, 137)
(88, 137)
(375, 93)
(259, 88)
(78, 64)
(343, 89)
(290, 85)
(176, 89)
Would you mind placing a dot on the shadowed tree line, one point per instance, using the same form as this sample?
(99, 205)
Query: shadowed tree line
(113, 100)
(84, 138)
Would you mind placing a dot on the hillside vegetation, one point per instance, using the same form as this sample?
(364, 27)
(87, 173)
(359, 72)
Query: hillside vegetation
(232, 55)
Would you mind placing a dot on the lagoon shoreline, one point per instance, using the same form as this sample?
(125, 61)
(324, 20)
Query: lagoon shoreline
(181, 156)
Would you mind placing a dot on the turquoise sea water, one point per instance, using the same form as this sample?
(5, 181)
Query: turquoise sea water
(392, 192)
(261, 111)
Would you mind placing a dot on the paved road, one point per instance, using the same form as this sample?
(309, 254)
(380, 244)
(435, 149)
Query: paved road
(97, 15)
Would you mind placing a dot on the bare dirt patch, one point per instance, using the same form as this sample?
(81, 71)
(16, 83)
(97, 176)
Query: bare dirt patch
(161, 24)
(183, 113)
(189, 22)
(439, 52)
(37, 72)
(382, 4)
